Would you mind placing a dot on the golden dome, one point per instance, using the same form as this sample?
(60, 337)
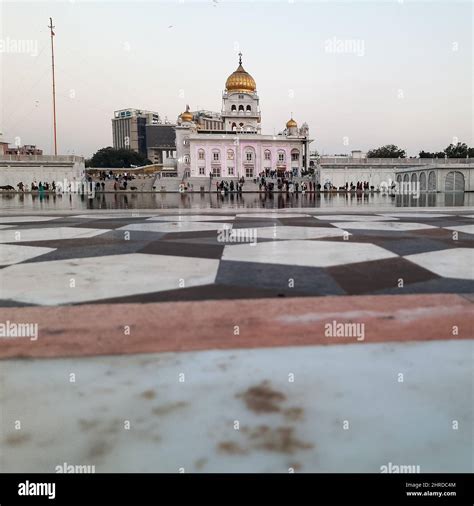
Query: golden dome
(240, 80)
(291, 123)
(186, 115)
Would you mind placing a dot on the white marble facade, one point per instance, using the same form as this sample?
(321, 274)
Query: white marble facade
(238, 149)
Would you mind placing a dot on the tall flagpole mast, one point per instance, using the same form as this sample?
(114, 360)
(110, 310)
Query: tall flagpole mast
(54, 86)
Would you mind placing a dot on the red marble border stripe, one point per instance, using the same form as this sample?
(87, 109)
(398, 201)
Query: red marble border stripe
(90, 330)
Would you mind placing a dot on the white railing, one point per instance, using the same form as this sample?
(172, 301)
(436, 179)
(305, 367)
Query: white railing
(41, 158)
(328, 160)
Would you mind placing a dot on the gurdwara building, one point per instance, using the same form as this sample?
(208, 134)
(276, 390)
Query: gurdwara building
(230, 144)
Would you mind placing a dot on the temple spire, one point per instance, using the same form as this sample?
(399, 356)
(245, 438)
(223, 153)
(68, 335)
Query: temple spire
(240, 58)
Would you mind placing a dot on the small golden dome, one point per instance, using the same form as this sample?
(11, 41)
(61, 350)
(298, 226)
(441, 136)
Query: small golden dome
(186, 115)
(291, 123)
(240, 80)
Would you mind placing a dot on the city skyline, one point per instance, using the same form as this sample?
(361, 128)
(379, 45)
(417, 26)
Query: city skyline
(364, 76)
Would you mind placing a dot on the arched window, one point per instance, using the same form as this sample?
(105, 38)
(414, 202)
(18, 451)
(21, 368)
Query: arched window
(186, 141)
(295, 155)
(216, 155)
(234, 126)
(201, 154)
(454, 182)
(423, 182)
(406, 178)
(230, 154)
(414, 178)
(241, 107)
(268, 155)
(431, 181)
(281, 156)
(233, 108)
(249, 155)
(186, 158)
(249, 108)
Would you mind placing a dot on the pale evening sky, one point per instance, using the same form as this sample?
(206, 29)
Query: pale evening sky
(405, 76)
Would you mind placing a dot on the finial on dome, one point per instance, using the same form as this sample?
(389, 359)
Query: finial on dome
(240, 80)
(291, 123)
(186, 115)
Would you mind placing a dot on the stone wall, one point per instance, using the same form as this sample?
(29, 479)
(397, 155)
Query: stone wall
(26, 169)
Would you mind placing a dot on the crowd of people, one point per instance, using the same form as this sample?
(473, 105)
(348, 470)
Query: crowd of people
(41, 186)
(103, 176)
(226, 186)
(359, 186)
(268, 181)
(286, 184)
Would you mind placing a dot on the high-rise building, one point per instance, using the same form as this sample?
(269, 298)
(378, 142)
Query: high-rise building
(129, 129)
(161, 144)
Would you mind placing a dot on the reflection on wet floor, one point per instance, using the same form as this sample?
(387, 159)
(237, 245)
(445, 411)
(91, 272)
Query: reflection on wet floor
(51, 202)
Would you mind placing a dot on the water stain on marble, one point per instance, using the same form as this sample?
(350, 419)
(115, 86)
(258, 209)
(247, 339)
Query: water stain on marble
(230, 447)
(271, 439)
(200, 463)
(148, 394)
(262, 398)
(293, 414)
(278, 439)
(17, 439)
(168, 408)
(98, 449)
(88, 424)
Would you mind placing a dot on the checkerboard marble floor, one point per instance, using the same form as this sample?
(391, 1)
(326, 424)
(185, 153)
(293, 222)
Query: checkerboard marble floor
(112, 258)
(138, 365)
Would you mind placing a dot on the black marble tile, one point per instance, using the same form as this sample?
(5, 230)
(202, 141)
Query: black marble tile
(286, 279)
(369, 277)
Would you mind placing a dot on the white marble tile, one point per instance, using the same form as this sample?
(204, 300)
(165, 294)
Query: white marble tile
(103, 277)
(352, 217)
(467, 215)
(176, 226)
(28, 218)
(306, 253)
(449, 263)
(395, 226)
(176, 425)
(48, 234)
(13, 254)
(466, 229)
(416, 215)
(270, 215)
(191, 217)
(133, 213)
(289, 232)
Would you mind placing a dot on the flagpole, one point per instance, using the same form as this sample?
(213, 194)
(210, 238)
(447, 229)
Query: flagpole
(54, 86)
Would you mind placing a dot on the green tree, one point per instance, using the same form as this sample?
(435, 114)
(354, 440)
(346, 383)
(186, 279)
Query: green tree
(116, 159)
(427, 154)
(459, 150)
(387, 151)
